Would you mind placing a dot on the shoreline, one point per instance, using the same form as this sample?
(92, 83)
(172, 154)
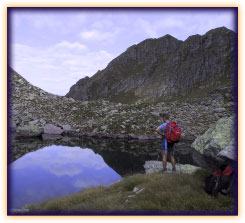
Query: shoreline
(112, 136)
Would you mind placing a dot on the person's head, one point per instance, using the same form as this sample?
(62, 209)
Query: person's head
(165, 117)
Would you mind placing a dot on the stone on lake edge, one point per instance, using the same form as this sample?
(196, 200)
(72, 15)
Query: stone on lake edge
(153, 166)
(52, 129)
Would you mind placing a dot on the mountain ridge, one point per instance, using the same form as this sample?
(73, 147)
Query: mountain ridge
(163, 68)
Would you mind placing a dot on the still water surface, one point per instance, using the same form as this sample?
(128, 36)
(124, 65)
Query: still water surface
(56, 171)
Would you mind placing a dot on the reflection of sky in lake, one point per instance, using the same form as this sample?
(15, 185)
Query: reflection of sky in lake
(56, 171)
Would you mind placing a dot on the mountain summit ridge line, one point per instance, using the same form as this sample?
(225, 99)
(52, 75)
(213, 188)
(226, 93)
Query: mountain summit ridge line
(162, 69)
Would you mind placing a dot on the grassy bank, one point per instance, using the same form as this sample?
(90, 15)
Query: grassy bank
(162, 193)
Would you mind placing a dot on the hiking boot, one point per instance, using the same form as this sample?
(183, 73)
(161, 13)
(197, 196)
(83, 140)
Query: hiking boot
(165, 170)
(173, 170)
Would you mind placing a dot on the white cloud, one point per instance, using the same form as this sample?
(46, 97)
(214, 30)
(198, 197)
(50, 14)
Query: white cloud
(89, 34)
(100, 35)
(170, 22)
(147, 28)
(69, 161)
(64, 63)
(40, 22)
(69, 45)
(60, 169)
(103, 23)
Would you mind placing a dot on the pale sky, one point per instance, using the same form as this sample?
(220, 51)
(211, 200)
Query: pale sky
(54, 48)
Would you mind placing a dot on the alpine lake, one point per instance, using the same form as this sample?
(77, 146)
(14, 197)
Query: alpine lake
(44, 168)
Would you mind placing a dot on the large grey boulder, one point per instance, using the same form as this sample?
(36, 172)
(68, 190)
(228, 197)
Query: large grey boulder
(218, 140)
(153, 166)
(52, 129)
(29, 131)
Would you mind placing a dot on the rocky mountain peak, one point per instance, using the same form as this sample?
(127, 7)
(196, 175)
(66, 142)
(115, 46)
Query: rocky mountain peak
(164, 68)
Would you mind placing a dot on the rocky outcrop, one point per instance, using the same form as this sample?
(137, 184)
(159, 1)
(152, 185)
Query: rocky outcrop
(156, 166)
(164, 68)
(218, 141)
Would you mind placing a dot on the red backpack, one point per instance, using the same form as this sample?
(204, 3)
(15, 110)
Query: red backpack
(173, 132)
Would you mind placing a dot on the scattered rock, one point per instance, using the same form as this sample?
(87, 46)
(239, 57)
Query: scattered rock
(66, 127)
(104, 127)
(33, 122)
(135, 189)
(30, 97)
(53, 130)
(218, 110)
(128, 201)
(131, 196)
(29, 131)
(42, 121)
(85, 103)
(74, 109)
(112, 112)
(155, 113)
(139, 191)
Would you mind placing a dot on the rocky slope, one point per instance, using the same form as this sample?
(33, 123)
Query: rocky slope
(164, 68)
(33, 108)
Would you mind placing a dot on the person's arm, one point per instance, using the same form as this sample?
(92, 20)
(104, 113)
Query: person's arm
(159, 132)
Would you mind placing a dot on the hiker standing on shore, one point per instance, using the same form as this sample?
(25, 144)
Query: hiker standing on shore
(165, 145)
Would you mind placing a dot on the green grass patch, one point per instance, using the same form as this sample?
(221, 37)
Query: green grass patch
(162, 193)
